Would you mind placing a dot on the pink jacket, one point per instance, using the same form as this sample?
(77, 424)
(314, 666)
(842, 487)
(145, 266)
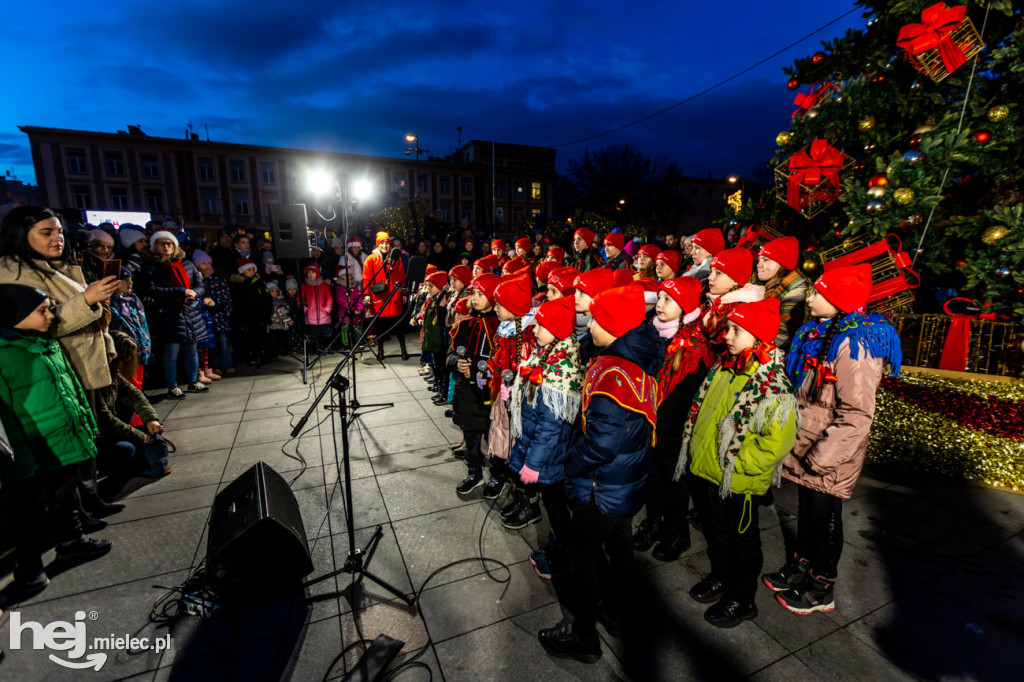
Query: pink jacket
(317, 301)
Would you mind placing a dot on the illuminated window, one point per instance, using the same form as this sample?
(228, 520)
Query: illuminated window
(535, 190)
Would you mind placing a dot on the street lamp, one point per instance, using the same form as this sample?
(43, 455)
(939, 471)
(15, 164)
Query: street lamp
(414, 140)
(733, 179)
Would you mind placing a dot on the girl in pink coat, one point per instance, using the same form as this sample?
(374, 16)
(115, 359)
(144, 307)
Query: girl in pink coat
(317, 304)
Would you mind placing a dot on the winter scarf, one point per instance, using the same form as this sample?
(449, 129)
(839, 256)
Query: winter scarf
(556, 373)
(666, 330)
(766, 395)
(870, 332)
(688, 350)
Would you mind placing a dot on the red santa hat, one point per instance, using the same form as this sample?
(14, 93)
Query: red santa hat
(487, 283)
(616, 239)
(649, 250)
(673, 259)
(563, 279)
(760, 318)
(515, 296)
(438, 278)
(354, 241)
(488, 263)
(710, 239)
(523, 244)
(736, 263)
(685, 291)
(558, 317)
(557, 254)
(244, 263)
(846, 288)
(462, 273)
(586, 234)
(620, 309)
(785, 251)
(544, 269)
(593, 282)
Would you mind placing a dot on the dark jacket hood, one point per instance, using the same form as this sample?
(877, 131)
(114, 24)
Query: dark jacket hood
(641, 345)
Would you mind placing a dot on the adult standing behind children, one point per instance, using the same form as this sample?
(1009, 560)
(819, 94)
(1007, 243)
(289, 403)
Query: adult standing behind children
(382, 277)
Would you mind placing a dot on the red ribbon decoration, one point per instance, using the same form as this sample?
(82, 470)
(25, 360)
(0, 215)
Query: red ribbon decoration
(936, 24)
(531, 374)
(825, 375)
(822, 163)
(758, 351)
(810, 100)
(907, 279)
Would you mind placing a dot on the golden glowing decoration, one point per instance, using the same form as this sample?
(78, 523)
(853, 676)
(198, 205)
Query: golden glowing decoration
(993, 234)
(735, 200)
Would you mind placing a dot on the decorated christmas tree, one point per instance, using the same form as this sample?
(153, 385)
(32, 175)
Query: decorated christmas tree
(911, 126)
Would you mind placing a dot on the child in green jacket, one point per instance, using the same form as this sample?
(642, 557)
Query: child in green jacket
(740, 427)
(51, 429)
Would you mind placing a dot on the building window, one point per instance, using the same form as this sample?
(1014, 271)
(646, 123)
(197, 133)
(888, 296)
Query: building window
(155, 200)
(499, 189)
(241, 204)
(398, 182)
(83, 196)
(77, 163)
(115, 164)
(499, 215)
(518, 190)
(119, 198)
(423, 183)
(150, 166)
(237, 171)
(210, 204)
(535, 190)
(206, 169)
(446, 210)
(268, 173)
(445, 184)
(466, 186)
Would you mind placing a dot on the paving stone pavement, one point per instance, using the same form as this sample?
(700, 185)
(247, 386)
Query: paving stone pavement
(931, 580)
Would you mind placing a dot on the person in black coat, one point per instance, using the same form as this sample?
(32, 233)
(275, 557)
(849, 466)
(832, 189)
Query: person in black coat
(173, 287)
(223, 254)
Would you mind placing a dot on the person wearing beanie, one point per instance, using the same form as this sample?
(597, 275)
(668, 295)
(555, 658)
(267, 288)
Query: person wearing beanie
(545, 399)
(243, 246)
(541, 274)
(380, 278)
(561, 281)
(606, 471)
(133, 241)
(727, 288)
(433, 338)
(584, 256)
(317, 304)
(251, 307)
(473, 342)
(489, 263)
(836, 364)
(740, 427)
(686, 362)
(667, 264)
(556, 254)
(218, 306)
(643, 263)
(614, 249)
(348, 290)
(586, 287)
(498, 249)
(51, 431)
(523, 249)
(457, 309)
(127, 315)
(776, 270)
(101, 244)
(703, 247)
(621, 278)
(513, 344)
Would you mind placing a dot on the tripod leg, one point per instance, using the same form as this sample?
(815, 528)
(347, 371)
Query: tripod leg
(410, 600)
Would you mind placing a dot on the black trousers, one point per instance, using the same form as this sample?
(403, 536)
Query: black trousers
(556, 504)
(733, 535)
(601, 551)
(32, 527)
(665, 497)
(820, 530)
(474, 450)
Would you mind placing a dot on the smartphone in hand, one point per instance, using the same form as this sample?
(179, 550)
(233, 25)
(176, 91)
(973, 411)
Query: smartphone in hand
(112, 268)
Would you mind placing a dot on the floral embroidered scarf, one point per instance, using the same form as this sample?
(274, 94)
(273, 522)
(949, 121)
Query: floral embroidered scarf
(556, 373)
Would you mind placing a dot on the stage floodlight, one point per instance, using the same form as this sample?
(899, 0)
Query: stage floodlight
(320, 183)
(362, 189)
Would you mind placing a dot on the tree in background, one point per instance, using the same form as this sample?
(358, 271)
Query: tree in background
(935, 160)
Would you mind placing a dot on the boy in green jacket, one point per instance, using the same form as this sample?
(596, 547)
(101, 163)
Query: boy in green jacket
(741, 425)
(51, 429)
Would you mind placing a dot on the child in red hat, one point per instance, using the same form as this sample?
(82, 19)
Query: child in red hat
(560, 282)
(434, 342)
(556, 254)
(615, 250)
(836, 363)
(644, 262)
(703, 247)
(605, 469)
(667, 264)
(776, 269)
(488, 263)
(545, 406)
(586, 286)
(474, 343)
(728, 287)
(459, 279)
(584, 256)
(740, 427)
(541, 274)
(687, 359)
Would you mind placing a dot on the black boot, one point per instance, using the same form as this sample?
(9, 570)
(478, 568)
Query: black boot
(675, 539)
(380, 349)
(788, 576)
(563, 642)
(647, 534)
(499, 474)
(401, 344)
(517, 500)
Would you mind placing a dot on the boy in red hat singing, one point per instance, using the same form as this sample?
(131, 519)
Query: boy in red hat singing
(740, 426)
(584, 256)
(606, 471)
(615, 249)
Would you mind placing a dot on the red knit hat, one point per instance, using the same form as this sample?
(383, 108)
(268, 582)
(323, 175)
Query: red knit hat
(382, 237)
(563, 279)
(618, 310)
(616, 239)
(585, 233)
(438, 278)
(523, 244)
(488, 262)
(544, 269)
(462, 273)
(513, 266)
(671, 258)
(462, 306)
(736, 263)
(846, 288)
(243, 263)
(711, 240)
(558, 317)
(487, 283)
(431, 268)
(785, 251)
(593, 282)
(498, 244)
(557, 253)
(760, 318)
(685, 291)
(515, 296)
(649, 250)
(622, 278)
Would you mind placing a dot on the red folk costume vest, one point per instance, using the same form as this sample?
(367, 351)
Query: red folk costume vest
(626, 384)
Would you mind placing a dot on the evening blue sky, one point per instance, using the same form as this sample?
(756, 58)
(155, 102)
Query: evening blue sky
(355, 77)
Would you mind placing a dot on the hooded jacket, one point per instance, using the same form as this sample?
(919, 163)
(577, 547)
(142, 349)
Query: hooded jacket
(169, 316)
(317, 300)
(607, 464)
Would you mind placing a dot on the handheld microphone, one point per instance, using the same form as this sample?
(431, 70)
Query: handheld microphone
(482, 366)
(461, 351)
(508, 377)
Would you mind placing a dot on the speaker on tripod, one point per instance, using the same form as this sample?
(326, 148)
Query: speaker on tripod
(288, 229)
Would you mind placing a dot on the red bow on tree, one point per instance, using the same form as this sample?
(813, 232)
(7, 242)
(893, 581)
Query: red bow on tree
(758, 351)
(936, 24)
(810, 100)
(825, 375)
(823, 162)
(531, 374)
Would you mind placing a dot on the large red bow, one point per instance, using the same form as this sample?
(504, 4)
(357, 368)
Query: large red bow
(825, 375)
(822, 163)
(738, 362)
(810, 100)
(936, 24)
(531, 374)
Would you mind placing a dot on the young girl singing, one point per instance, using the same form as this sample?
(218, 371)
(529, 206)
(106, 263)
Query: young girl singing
(727, 288)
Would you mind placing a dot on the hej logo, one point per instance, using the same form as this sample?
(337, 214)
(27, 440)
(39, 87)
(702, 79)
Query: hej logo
(59, 636)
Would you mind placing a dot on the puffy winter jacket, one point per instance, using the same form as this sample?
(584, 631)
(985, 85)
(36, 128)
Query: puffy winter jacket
(607, 463)
(169, 316)
(42, 406)
(317, 301)
(544, 442)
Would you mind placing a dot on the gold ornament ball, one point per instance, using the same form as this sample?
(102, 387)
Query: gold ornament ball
(876, 192)
(809, 265)
(993, 234)
(876, 207)
(783, 138)
(812, 113)
(998, 113)
(866, 124)
(903, 196)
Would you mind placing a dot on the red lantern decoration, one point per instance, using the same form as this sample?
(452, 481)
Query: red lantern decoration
(793, 83)
(915, 142)
(982, 136)
(878, 180)
(817, 57)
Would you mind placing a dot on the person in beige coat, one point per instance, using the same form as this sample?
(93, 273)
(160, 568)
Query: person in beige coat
(836, 362)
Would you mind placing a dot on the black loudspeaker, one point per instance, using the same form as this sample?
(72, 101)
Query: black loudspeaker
(256, 537)
(288, 230)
